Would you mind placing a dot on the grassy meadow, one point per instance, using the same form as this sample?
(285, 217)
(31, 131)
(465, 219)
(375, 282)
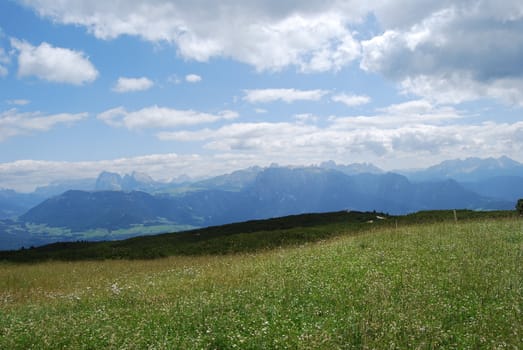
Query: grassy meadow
(421, 286)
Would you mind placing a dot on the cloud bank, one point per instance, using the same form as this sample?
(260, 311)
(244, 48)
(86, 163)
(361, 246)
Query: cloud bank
(410, 131)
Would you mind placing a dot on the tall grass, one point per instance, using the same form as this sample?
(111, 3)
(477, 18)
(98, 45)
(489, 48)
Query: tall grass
(437, 286)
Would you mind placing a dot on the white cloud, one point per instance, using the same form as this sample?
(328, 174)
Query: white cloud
(260, 110)
(414, 132)
(374, 138)
(193, 78)
(285, 95)
(460, 87)
(429, 44)
(18, 102)
(414, 113)
(161, 117)
(132, 84)
(351, 100)
(413, 108)
(243, 136)
(53, 64)
(312, 35)
(451, 52)
(13, 122)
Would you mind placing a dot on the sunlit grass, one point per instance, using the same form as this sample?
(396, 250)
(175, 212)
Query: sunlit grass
(434, 286)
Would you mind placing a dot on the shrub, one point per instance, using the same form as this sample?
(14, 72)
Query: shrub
(519, 206)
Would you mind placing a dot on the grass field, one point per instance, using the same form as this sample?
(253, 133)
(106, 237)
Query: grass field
(429, 286)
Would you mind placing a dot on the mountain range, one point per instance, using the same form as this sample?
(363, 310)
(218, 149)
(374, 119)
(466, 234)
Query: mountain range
(115, 203)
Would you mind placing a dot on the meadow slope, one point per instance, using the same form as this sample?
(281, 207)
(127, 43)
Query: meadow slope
(427, 286)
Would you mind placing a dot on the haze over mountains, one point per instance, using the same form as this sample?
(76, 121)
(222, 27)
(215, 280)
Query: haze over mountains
(114, 206)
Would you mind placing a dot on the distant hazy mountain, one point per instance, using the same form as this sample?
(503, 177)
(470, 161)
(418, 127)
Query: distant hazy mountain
(108, 181)
(352, 169)
(81, 210)
(234, 181)
(273, 192)
(136, 181)
(508, 188)
(114, 202)
(13, 204)
(470, 169)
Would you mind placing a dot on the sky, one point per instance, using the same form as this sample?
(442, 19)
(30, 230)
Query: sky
(204, 87)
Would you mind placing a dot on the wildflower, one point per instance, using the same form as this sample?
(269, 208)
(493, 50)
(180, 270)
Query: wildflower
(115, 288)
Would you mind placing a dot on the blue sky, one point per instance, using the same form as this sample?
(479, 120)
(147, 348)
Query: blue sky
(173, 87)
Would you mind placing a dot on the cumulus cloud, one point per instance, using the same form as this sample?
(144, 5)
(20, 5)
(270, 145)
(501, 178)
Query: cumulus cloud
(458, 87)
(415, 132)
(285, 95)
(451, 52)
(442, 50)
(374, 138)
(53, 64)
(351, 100)
(193, 78)
(237, 134)
(160, 117)
(132, 84)
(415, 108)
(312, 35)
(420, 113)
(13, 122)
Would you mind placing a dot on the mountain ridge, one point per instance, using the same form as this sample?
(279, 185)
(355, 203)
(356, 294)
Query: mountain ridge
(116, 203)
(483, 168)
(274, 192)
